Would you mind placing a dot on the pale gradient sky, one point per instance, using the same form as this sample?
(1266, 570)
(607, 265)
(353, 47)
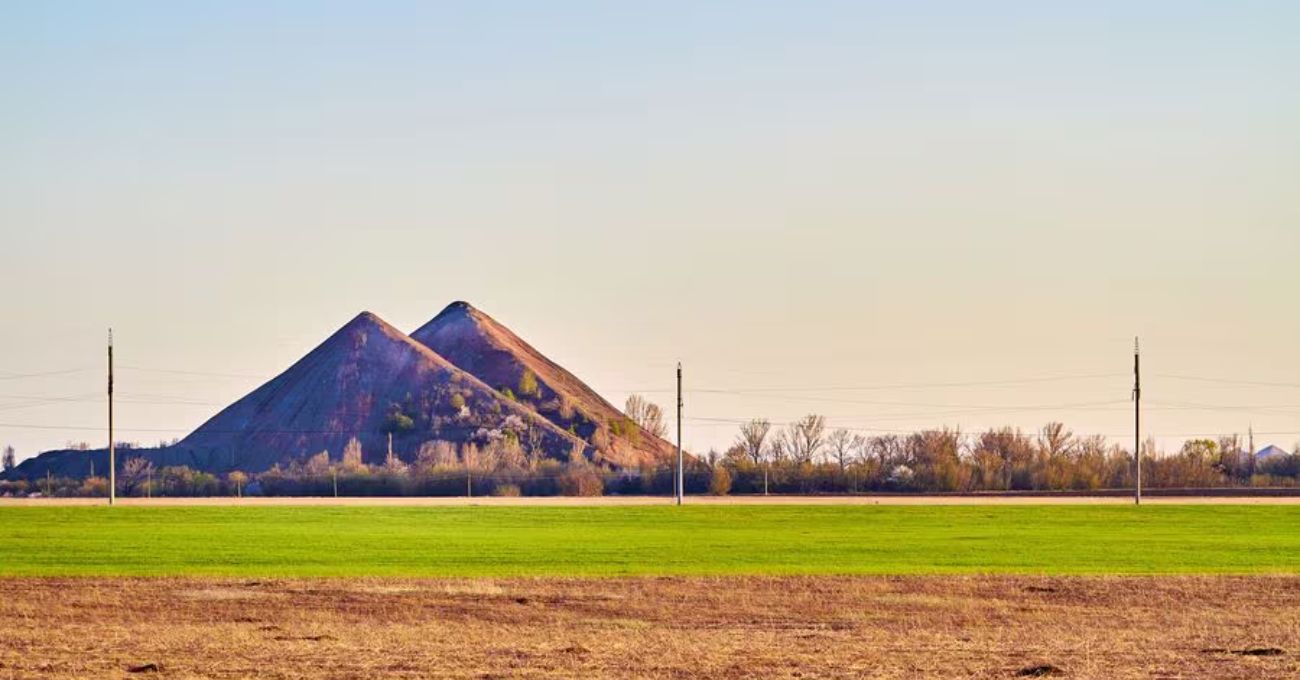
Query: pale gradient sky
(793, 195)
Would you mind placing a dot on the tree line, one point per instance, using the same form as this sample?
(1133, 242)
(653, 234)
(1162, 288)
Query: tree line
(807, 457)
(804, 457)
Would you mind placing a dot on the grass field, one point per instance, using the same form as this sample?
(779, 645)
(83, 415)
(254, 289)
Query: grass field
(646, 540)
(730, 591)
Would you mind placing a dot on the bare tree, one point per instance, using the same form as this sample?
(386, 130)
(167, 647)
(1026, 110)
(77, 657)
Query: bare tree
(536, 437)
(807, 435)
(646, 414)
(470, 457)
(9, 460)
(394, 465)
(318, 464)
(844, 446)
(352, 453)
(1055, 440)
(508, 454)
(887, 449)
(781, 448)
(1231, 457)
(436, 453)
(135, 472)
(1014, 451)
(600, 440)
(239, 479)
(752, 437)
(935, 458)
(577, 454)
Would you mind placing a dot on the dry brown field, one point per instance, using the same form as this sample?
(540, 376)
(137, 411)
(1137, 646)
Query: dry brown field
(735, 627)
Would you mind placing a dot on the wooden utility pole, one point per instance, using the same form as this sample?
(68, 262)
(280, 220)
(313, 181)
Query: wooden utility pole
(681, 482)
(112, 451)
(1251, 453)
(1137, 423)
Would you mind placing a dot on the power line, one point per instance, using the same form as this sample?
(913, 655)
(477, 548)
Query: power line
(862, 402)
(1095, 406)
(99, 398)
(896, 386)
(1265, 410)
(900, 386)
(20, 376)
(210, 374)
(857, 428)
(1226, 381)
(47, 401)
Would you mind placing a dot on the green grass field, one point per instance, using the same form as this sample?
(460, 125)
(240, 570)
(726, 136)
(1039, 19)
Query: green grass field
(611, 541)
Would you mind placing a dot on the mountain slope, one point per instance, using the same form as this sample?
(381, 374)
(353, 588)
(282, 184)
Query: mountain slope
(478, 344)
(365, 380)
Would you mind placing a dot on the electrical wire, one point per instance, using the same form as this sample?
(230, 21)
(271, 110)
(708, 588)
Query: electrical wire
(21, 376)
(208, 374)
(1227, 381)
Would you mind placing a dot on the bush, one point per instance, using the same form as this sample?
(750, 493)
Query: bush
(528, 385)
(93, 487)
(506, 490)
(720, 481)
(625, 428)
(398, 422)
(581, 482)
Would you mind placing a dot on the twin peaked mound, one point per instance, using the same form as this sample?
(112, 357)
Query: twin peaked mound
(462, 378)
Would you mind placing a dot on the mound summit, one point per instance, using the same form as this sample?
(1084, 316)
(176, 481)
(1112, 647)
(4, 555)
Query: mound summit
(477, 343)
(461, 378)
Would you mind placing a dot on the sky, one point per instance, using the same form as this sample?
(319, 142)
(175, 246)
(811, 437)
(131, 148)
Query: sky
(899, 215)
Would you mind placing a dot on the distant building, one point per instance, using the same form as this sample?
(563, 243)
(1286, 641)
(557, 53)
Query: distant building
(1270, 451)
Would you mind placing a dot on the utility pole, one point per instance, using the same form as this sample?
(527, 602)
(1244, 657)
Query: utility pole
(681, 482)
(1137, 424)
(112, 451)
(390, 448)
(1251, 453)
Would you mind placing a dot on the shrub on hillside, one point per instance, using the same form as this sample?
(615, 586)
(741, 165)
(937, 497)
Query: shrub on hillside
(398, 422)
(625, 428)
(528, 385)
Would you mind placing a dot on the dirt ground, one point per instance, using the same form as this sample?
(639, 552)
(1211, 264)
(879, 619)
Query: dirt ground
(780, 627)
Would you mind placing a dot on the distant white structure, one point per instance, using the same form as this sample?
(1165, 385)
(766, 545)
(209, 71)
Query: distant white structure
(1270, 451)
